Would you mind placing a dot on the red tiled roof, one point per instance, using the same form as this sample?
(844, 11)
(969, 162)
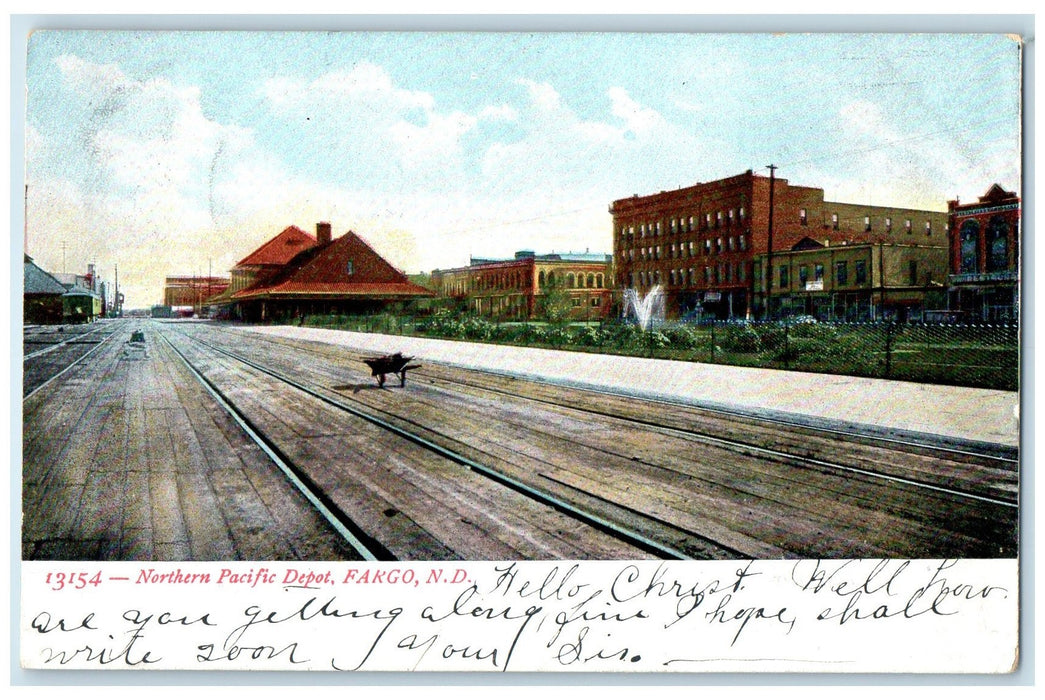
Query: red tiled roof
(318, 289)
(345, 267)
(281, 249)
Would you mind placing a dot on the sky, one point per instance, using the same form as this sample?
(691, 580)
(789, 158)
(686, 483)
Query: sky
(179, 153)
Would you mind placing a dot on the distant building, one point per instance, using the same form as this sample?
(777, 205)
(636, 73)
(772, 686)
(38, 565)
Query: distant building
(699, 243)
(517, 288)
(42, 295)
(985, 256)
(857, 282)
(185, 291)
(294, 274)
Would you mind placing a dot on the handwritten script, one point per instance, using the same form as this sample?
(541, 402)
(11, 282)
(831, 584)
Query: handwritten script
(852, 615)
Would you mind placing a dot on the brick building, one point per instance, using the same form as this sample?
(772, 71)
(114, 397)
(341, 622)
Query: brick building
(699, 243)
(186, 291)
(857, 282)
(294, 274)
(984, 256)
(518, 287)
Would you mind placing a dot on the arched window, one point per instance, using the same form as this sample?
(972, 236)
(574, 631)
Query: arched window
(569, 280)
(540, 279)
(598, 281)
(970, 250)
(997, 244)
(591, 280)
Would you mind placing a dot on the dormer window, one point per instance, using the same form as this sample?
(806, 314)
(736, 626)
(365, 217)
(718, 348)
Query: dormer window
(349, 268)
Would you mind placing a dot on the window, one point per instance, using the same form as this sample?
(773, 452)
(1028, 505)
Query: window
(718, 220)
(969, 246)
(784, 281)
(867, 223)
(818, 272)
(349, 268)
(834, 221)
(707, 246)
(707, 220)
(907, 225)
(732, 214)
(997, 244)
(803, 217)
(842, 273)
(743, 242)
(707, 275)
(596, 301)
(912, 268)
(732, 243)
(803, 275)
(928, 228)
(672, 278)
(718, 245)
(742, 214)
(861, 271)
(674, 225)
(656, 255)
(741, 272)
(888, 223)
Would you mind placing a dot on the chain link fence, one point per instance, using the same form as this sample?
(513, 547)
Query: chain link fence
(985, 356)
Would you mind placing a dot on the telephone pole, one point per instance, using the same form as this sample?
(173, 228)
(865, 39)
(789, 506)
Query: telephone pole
(769, 242)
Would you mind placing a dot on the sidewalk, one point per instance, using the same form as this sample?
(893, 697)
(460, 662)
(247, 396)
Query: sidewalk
(958, 413)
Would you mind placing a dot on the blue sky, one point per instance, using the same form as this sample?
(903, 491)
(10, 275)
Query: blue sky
(174, 153)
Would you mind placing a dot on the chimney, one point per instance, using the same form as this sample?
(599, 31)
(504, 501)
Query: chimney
(323, 232)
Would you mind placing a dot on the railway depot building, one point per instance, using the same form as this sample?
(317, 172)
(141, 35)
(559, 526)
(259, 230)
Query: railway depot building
(295, 273)
(700, 243)
(984, 257)
(517, 288)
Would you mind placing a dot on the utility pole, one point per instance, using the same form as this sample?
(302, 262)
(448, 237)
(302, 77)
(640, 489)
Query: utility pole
(769, 242)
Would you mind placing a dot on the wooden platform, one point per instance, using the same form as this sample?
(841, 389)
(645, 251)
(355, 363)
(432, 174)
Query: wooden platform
(128, 458)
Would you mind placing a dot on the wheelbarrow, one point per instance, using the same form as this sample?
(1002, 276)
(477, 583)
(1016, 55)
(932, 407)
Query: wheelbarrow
(396, 364)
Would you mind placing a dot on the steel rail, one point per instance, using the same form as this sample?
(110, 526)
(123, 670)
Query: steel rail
(54, 346)
(71, 365)
(349, 531)
(864, 438)
(598, 522)
(735, 444)
(720, 410)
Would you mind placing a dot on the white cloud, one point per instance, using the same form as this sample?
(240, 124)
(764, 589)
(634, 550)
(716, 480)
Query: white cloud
(361, 114)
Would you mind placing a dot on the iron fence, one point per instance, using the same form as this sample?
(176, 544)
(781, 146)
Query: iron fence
(986, 356)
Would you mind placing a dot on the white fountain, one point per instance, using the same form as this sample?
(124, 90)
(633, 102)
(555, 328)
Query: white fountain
(647, 309)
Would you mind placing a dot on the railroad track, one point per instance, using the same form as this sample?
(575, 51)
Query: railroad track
(364, 542)
(992, 485)
(41, 367)
(919, 461)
